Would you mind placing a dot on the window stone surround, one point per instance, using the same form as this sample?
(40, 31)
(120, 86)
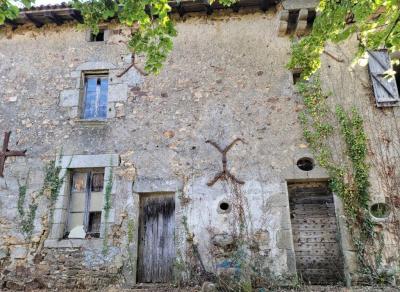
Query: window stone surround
(59, 220)
(118, 87)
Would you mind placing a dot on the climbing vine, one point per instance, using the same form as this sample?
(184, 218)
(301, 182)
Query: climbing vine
(376, 24)
(107, 208)
(50, 189)
(26, 218)
(347, 167)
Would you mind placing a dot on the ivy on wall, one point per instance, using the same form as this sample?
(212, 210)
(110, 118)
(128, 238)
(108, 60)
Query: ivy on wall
(348, 169)
(107, 207)
(50, 189)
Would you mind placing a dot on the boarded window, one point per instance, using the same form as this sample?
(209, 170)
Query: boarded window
(86, 201)
(385, 87)
(95, 97)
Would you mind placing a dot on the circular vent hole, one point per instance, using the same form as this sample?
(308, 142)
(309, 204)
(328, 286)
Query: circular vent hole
(224, 206)
(305, 164)
(380, 210)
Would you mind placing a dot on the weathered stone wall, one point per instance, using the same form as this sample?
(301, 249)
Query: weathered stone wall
(225, 79)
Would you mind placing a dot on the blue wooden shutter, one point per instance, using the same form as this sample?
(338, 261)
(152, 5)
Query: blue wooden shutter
(102, 106)
(90, 98)
(385, 89)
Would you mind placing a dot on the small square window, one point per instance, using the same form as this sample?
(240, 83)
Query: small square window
(95, 96)
(99, 37)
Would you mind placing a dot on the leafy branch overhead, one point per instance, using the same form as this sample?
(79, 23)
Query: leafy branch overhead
(375, 22)
(153, 27)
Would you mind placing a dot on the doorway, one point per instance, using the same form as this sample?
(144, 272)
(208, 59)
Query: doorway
(156, 253)
(315, 233)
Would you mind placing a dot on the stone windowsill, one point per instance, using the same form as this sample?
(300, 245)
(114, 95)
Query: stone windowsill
(72, 243)
(99, 122)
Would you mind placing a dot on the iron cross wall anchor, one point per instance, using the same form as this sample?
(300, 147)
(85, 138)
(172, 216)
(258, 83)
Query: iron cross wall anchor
(4, 153)
(225, 173)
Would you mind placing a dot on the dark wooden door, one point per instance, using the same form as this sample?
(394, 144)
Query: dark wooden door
(156, 238)
(315, 235)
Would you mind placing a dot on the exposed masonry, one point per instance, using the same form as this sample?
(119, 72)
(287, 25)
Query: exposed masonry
(296, 17)
(153, 141)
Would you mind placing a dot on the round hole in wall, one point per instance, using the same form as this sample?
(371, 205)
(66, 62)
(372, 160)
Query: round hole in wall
(224, 206)
(380, 210)
(305, 163)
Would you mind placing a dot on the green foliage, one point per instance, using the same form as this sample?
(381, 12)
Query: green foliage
(51, 187)
(107, 206)
(27, 223)
(375, 22)
(349, 172)
(21, 200)
(52, 182)
(9, 9)
(153, 28)
(26, 220)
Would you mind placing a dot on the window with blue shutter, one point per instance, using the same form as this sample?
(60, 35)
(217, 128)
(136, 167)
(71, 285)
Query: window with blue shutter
(385, 87)
(95, 97)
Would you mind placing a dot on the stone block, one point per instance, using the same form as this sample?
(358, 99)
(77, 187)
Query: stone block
(284, 239)
(69, 97)
(299, 4)
(18, 251)
(62, 201)
(117, 92)
(291, 261)
(111, 216)
(303, 14)
(119, 110)
(301, 27)
(278, 200)
(94, 66)
(282, 28)
(284, 15)
(350, 261)
(89, 161)
(73, 112)
(76, 74)
(60, 215)
(144, 184)
(56, 231)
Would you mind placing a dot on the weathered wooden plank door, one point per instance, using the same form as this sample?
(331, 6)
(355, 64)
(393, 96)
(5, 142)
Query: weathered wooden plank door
(315, 237)
(156, 238)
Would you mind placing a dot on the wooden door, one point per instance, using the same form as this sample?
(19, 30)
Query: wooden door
(315, 235)
(156, 238)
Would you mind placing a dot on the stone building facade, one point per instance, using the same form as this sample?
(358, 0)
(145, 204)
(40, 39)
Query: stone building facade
(150, 146)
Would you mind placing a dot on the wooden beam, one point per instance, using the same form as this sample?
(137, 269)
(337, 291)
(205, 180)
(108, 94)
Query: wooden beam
(76, 15)
(12, 23)
(35, 21)
(181, 10)
(235, 7)
(53, 17)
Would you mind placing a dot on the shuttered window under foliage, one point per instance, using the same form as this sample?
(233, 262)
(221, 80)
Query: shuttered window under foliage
(385, 88)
